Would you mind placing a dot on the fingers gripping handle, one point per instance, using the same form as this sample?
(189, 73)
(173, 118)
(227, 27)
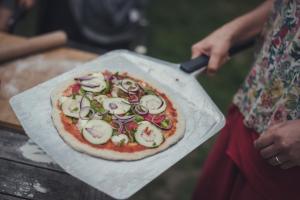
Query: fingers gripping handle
(195, 64)
(200, 62)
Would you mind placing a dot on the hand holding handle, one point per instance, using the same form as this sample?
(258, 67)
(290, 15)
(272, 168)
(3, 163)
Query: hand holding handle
(198, 63)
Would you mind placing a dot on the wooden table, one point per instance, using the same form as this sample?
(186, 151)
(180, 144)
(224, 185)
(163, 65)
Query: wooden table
(22, 74)
(26, 172)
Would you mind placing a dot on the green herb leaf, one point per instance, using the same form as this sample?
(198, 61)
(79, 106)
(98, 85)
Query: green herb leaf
(148, 91)
(96, 106)
(138, 118)
(82, 91)
(107, 118)
(75, 109)
(107, 89)
(96, 93)
(165, 123)
(131, 136)
(122, 142)
(74, 120)
(115, 132)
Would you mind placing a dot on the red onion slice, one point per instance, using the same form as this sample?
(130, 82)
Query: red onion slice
(83, 78)
(125, 117)
(132, 88)
(133, 99)
(90, 85)
(81, 102)
(84, 111)
(114, 79)
(141, 110)
(158, 118)
(124, 121)
(120, 126)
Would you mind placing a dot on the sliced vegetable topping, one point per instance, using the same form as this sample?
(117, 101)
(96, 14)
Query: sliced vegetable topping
(148, 135)
(153, 103)
(81, 124)
(86, 113)
(165, 124)
(100, 98)
(141, 110)
(62, 100)
(129, 85)
(94, 82)
(133, 99)
(116, 106)
(97, 131)
(75, 89)
(71, 106)
(84, 78)
(120, 140)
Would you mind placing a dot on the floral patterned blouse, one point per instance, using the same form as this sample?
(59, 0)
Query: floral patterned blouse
(271, 92)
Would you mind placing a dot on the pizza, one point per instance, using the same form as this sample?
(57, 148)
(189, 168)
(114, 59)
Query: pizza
(115, 116)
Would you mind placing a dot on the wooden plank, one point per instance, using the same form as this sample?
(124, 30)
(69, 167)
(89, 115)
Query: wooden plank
(22, 74)
(34, 183)
(21, 175)
(9, 197)
(16, 147)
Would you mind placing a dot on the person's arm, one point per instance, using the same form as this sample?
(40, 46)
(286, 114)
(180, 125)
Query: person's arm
(217, 44)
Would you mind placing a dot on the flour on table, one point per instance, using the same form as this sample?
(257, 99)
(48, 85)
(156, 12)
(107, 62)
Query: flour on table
(31, 71)
(32, 152)
(37, 186)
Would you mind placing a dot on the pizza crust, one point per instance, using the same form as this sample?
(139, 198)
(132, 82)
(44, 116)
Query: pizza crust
(107, 153)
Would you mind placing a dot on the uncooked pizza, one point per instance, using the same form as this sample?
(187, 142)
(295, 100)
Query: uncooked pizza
(115, 116)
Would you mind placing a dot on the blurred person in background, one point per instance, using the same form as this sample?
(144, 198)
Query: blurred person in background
(9, 9)
(257, 154)
(108, 24)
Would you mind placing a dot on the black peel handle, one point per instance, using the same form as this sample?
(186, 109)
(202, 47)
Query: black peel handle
(195, 64)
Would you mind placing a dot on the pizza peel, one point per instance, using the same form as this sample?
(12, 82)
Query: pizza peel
(121, 179)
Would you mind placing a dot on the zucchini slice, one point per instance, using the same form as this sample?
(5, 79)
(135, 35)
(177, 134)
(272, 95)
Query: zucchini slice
(148, 135)
(97, 131)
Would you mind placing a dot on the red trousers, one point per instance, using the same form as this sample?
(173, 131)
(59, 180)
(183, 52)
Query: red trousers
(234, 170)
